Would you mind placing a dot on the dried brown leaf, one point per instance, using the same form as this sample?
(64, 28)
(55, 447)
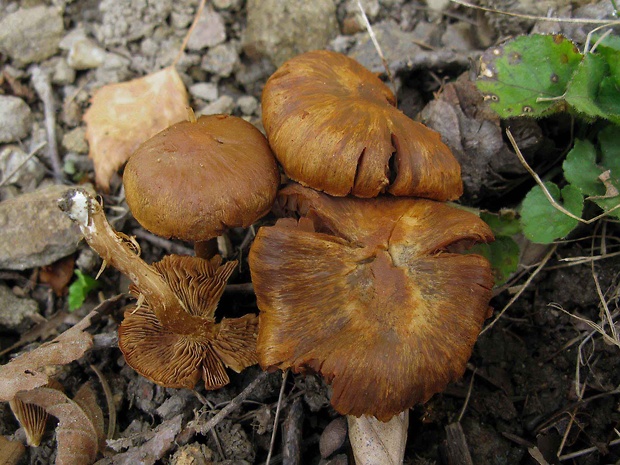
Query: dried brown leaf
(10, 451)
(26, 371)
(86, 398)
(124, 115)
(75, 433)
(58, 275)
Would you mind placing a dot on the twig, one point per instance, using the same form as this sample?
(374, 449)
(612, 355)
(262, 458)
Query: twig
(523, 287)
(579, 453)
(201, 6)
(375, 42)
(550, 198)
(471, 385)
(23, 163)
(166, 244)
(233, 404)
(41, 83)
(109, 398)
(276, 417)
(538, 18)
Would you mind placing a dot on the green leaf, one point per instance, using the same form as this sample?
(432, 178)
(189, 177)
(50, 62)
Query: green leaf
(609, 49)
(593, 91)
(516, 74)
(503, 254)
(80, 288)
(581, 170)
(504, 223)
(542, 222)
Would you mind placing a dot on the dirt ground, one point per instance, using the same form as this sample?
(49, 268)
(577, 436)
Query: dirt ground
(542, 385)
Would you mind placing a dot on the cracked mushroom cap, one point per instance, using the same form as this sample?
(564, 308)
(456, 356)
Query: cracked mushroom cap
(194, 180)
(180, 360)
(372, 294)
(334, 126)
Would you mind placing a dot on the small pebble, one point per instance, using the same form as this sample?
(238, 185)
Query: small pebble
(75, 140)
(206, 91)
(247, 104)
(221, 60)
(224, 105)
(30, 35)
(15, 118)
(27, 174)
(15, 312)
(210, 31)
(333, 437)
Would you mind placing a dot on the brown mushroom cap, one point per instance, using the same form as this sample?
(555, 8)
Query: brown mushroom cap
(180, 360)
(333, 126)
(194, 180)
(368, 293)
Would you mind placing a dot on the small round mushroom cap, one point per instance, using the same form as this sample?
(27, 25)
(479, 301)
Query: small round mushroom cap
(179, 361)
(194, 180)
(333, 126)
(370, 294)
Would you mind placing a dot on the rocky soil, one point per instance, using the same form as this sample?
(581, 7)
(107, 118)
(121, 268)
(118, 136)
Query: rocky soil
(542, 382)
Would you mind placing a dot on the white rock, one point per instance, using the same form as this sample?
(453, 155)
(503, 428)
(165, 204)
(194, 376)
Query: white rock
(247, 104)
(210, 30)
(15, 118)
(205, 91)
(27, 173)
(222, 106)
(221, 60)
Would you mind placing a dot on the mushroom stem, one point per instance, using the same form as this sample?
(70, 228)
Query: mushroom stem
(118, 252)
(206, 249)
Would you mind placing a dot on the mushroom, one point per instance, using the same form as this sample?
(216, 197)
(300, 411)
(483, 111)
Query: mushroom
(31, 417)
(371, 294)
(170, 336)
(334, 126)
(195, 179)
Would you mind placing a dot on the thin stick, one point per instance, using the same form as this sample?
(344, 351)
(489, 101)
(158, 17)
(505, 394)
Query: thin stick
(109, 398)
(233, 404)
(276, 417)
(550, 198)
(538, 18)
(23, 163)
(523, 287)
(201, 6)
(589, 450)
(471, 385)
(375, 42)
(41, 83)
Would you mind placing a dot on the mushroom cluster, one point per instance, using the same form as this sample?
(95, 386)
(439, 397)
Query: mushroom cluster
(191, 181)
(369, 290)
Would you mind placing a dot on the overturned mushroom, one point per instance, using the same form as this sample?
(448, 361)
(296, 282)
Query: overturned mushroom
(195, 179)
(371, 294)
(170, 336)
(333, 126)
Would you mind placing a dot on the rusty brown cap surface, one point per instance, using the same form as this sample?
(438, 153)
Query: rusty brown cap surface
(180, 360)
(194, 180)
(370, 294)
(333, 126)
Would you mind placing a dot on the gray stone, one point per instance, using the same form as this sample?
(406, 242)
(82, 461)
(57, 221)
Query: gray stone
(204, 90)
(281, 29)
(62, 73)
(34, 231)
(233, 5)
(396, 45)
(31, 35)
(16, 312)
(75, 140)
(247, 104)
(83, 53)
(221, 60)
(15, 118)
(222, 106)
(210, 30)
(28, 173)
(128, 20)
